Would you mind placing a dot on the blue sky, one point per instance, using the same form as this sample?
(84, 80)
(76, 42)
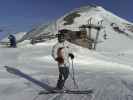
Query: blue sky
(22, 15)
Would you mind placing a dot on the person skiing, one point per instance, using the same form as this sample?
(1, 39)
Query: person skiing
(12, 40)
(61, 53)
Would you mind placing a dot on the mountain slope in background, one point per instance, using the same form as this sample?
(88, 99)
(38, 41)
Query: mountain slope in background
(116, 36)
(117, 30)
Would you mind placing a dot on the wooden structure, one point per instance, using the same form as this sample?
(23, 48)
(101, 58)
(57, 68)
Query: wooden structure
(42, 38)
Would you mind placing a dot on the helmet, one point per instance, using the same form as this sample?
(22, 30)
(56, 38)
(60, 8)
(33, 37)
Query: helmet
(63, 31)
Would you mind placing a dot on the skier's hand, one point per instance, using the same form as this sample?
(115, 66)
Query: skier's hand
(71, 55)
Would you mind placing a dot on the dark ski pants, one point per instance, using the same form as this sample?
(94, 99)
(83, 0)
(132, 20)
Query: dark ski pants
(63, 75)
(13, 44)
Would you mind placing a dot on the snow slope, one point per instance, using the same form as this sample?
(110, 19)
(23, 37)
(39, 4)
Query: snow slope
(110, 80)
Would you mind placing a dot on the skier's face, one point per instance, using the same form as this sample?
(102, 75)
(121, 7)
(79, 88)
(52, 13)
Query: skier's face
(61, 39)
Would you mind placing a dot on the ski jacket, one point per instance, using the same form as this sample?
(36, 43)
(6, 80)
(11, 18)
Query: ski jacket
(61, 52)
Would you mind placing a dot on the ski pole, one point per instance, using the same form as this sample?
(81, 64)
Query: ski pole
(73, 76)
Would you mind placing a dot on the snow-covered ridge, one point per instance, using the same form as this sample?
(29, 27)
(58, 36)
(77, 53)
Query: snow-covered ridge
(117, 30)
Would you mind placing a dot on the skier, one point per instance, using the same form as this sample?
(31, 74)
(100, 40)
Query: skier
(61, 53)
(12, 40)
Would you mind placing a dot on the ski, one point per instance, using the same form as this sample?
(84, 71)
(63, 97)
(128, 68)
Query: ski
(67, 92)
(29, 78)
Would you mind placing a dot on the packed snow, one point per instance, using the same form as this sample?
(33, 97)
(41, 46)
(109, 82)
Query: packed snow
(109, 80)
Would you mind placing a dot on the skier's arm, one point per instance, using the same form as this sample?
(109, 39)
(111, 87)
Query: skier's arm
(54, 52)
(71, 54)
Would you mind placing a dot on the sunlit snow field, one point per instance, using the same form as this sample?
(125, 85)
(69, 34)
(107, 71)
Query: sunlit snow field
(110, 80)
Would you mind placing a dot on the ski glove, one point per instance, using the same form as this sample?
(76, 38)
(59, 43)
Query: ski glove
(71, 55)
